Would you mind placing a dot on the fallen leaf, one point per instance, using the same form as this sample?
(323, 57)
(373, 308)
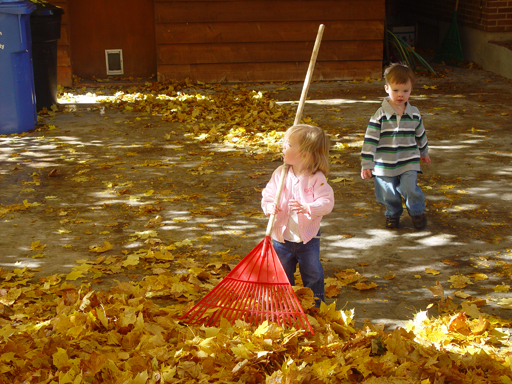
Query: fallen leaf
(437, 290)
(96, 248)
(363, 286)
(459, 281)
(478, 276)
(502, 288)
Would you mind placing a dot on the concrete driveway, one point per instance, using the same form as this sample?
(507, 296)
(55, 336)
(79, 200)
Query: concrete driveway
(95, 185)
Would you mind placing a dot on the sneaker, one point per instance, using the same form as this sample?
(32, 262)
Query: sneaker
(419, 221)
(392, 222)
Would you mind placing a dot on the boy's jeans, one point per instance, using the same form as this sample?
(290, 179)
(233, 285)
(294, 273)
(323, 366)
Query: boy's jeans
(310, 267)
(389, 192)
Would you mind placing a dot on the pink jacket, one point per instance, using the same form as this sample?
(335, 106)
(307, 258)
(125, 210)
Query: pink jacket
(311, 191)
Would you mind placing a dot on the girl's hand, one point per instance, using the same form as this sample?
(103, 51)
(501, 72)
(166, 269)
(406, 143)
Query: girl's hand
(426, 159)
(297, 207)
(271, 209)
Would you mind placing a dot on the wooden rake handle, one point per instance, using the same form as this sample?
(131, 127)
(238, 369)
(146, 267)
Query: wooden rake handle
(309, 75)
(298, 117)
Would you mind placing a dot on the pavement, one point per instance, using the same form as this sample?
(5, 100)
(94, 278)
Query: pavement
(94, 184)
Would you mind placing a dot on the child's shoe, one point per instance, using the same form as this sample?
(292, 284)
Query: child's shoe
(392, 222)
(419, 221)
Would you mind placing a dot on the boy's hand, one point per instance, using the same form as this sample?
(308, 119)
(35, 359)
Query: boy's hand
(366, 174)
(297, 207)
(426, 159)
(271, 209)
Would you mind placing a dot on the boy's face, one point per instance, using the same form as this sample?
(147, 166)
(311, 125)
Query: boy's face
(399, 93)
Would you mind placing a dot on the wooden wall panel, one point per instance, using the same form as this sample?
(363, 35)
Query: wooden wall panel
(266, 10)
(64, 77)
(265, 72)
(268, 40)
(99, 25)
(269, 52)
(251, 32)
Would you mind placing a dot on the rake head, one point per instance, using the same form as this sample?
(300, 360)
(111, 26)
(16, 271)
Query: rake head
(257, 289)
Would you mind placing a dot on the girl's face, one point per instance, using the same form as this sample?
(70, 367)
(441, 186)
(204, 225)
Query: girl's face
(291, 152)
(399, 93)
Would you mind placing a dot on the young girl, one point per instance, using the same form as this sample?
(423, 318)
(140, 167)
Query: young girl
(306, 197)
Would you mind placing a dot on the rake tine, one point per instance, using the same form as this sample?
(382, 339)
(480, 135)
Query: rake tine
(243, 299)
(211, 300)
(233, 311)
(223, 296)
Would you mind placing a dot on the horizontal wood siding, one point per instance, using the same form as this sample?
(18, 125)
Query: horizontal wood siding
(272, 51)
(251, 32)
(64, 76)
(264, 72)
(268, 40)
(99, 25)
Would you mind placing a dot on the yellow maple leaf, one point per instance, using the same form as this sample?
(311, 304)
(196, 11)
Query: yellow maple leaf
(502, 288)
(97, 248)
(183, 243)
(74, 275)
(60, 358)
(11, 296)
(132, 259)
(437, 290)
(471, 310)
(363, 286)
(505, 303)
(478, 276)
(241, 351)
(332, 291)
(340, 179)
(432, 271)
(37, 247)
(459, 281)
(462, 295)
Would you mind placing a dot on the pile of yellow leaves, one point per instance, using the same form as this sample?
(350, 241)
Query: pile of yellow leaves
(232, 115)
(56, 332)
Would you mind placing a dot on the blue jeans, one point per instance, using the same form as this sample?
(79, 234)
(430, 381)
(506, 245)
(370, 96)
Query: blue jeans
(310, 267)
(389, 192)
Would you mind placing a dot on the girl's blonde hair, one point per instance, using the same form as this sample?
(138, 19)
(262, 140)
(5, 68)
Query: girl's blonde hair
(314, 147)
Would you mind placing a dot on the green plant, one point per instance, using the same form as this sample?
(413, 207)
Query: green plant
(407, 54)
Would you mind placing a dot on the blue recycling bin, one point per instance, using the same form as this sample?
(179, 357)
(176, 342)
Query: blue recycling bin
(17, 92)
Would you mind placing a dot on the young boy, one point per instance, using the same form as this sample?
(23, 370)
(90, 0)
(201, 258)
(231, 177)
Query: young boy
(394, 143)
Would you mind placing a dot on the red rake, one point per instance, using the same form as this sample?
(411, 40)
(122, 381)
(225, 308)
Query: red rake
(257, 289)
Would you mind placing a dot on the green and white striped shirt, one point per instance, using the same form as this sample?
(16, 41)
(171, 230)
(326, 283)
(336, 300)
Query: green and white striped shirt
(393, 146)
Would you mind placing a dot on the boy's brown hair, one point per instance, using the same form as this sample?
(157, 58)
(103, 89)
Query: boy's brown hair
(398, 73)
(314, 146)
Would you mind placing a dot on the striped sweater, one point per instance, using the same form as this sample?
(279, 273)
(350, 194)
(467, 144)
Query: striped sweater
(393, 146)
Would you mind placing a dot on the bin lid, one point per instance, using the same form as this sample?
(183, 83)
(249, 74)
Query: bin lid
(47, 9)
(16, 7)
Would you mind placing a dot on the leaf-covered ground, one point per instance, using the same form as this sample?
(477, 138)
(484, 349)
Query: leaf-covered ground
(57, 332)
(138, 217)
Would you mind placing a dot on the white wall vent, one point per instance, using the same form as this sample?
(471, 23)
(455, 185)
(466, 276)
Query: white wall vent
(114, 59)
